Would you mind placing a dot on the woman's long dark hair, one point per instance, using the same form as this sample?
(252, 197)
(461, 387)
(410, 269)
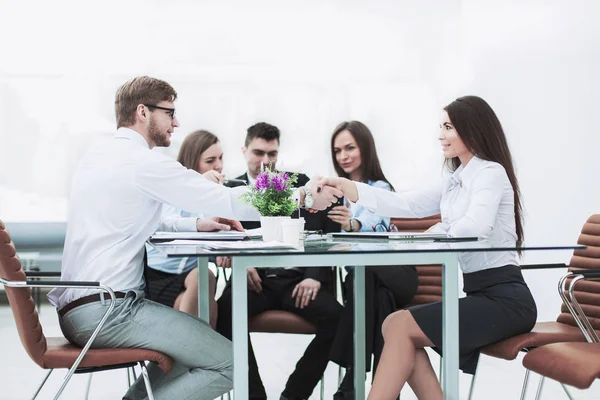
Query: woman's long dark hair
(193, 146)
(370, 167)
(480, 130)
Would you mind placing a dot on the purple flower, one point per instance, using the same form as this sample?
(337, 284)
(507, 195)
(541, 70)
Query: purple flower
(279, 183)
(286, 176)
(262, 181)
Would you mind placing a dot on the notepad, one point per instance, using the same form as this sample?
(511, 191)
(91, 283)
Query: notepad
(389, 235)
(220, 235)
(228, 245)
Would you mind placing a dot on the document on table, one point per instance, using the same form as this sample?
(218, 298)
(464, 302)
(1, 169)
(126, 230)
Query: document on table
(220, 235)
(228, 245)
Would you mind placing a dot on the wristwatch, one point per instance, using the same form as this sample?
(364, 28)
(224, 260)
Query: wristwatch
(309, 200)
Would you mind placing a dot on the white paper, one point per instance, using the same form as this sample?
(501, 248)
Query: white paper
(220, 235)
(228, 245)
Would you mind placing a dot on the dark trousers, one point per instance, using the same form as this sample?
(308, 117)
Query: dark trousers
(387, 288)
(323, 312)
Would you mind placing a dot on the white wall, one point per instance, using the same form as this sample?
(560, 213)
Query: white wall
(306, 66)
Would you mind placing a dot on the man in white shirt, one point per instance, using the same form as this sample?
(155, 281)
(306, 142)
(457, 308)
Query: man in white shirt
(115, 204)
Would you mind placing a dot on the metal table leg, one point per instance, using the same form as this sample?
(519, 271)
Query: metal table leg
(359, 332)
(203, 293)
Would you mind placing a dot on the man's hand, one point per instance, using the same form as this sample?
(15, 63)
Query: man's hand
(224, 262)
(324, 195)
(214, 176)
(230, 223)
(210, 225)
(254, 281)
(306, 291)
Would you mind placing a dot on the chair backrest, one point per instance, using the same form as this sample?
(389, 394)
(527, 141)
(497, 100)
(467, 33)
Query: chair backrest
(21, 302)
(430, 276)
(279, 321)
(587, 292)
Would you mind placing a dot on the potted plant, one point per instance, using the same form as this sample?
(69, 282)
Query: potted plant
(271, 195)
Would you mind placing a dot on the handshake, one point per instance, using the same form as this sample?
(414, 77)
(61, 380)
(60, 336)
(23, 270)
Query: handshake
(320, 193)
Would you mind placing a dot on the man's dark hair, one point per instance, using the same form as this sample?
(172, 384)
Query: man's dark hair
(264, 131)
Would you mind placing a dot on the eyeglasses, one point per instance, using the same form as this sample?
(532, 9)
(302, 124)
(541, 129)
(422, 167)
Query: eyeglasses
(381, 227)
(170, 111)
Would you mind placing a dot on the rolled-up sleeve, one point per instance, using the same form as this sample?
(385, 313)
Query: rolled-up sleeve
(368, 219)
(172, 221)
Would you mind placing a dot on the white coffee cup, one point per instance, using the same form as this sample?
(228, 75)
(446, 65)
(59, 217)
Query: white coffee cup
(292, 231)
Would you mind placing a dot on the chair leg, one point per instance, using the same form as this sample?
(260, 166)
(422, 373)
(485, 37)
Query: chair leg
(134, 374)
(525, 383)
(472, 387)
(128, 378)
(323, 387)
(567, 391)
(538, 395)
(42, 384)
(88, 386)
(147, 380)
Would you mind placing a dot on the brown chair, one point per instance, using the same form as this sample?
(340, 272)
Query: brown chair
(565, 328)
(572, 363)
(52, 353)
(430, 276)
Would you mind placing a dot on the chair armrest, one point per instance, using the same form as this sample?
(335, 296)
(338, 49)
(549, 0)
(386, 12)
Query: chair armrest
(38, 274)
(570, 301)
(586, 273)
(54, 284)
(543, 266)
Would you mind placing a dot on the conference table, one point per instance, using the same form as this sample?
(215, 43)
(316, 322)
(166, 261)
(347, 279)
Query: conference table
(357, 252)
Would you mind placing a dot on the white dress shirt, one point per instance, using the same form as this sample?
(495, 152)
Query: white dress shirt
(115, 204)
(476, 200)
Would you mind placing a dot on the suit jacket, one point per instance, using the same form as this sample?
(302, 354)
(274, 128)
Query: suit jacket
(313, 222)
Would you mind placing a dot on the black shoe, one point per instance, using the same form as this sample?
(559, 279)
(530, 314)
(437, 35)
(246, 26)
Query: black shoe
(287, 396)
(344, 394)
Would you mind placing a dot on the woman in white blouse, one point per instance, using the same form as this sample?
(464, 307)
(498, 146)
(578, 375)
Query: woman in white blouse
(480, 197)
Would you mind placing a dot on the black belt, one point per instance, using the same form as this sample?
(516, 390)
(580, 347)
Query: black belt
(88, 299)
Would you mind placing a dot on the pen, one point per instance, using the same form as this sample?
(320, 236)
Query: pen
(236, 181)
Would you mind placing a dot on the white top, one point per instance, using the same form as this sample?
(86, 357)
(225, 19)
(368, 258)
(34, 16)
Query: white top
(115, 204)
(476, 200)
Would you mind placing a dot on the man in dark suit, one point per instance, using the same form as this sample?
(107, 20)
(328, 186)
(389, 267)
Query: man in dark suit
(298, 290)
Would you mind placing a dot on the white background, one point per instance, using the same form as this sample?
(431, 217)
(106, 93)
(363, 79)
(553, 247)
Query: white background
(305, 67)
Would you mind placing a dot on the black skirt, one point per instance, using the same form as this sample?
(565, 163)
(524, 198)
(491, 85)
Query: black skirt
(498, 305)
(163, 287)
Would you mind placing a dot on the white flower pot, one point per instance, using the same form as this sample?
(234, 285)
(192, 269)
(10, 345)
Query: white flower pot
(271, 228)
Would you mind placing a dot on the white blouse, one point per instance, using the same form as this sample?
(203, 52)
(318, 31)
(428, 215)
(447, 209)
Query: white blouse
(476, 200)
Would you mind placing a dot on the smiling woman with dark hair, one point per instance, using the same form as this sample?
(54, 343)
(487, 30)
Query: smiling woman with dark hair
(387, 287)
(479, 197)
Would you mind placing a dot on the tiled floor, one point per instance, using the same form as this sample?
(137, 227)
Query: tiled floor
(20, 376)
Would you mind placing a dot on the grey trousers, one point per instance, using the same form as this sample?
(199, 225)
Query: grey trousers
(203, 358)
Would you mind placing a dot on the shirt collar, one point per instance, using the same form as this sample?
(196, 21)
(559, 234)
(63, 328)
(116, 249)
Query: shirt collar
(134, 136)
(464, 175)
(251, 180)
